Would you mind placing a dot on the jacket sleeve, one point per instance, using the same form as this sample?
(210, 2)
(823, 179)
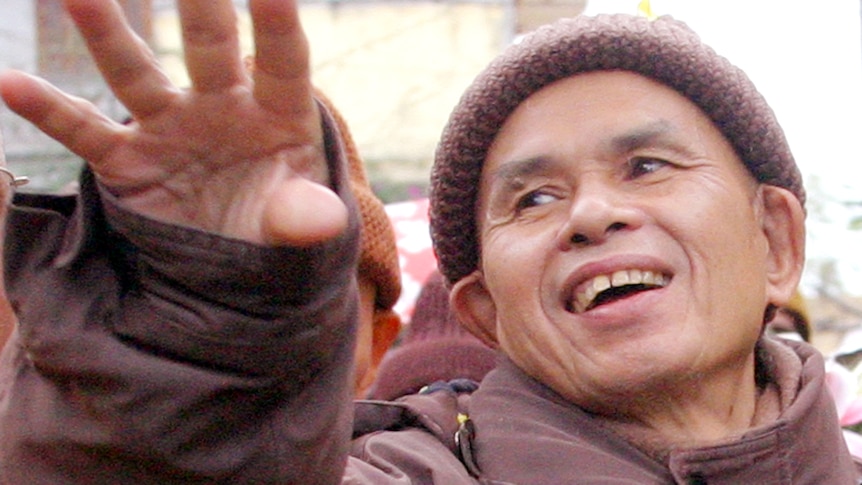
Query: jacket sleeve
(163, 354)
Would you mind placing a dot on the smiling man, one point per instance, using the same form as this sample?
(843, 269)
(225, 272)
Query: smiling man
(627, 241)
(617, 210)
(613, 205)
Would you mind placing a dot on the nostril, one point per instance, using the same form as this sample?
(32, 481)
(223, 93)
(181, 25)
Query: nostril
(580, 239)
(616, 226)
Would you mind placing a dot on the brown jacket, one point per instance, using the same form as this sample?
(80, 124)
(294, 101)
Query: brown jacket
(522, 432)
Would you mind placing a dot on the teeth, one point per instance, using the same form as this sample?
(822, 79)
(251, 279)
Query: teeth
(620, 278)
(600, 283)
(648, 278)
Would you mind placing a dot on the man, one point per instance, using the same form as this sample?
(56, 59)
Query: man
(614, 206)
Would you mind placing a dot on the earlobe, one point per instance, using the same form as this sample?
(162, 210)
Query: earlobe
(387, 325)
(783, 222)
(474, 307)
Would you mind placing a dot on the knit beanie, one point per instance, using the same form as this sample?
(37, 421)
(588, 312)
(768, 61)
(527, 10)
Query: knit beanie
(664, 49)
(435, 347)
(378, 259)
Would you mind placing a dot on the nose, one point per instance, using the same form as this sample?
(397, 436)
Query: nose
(597, 212)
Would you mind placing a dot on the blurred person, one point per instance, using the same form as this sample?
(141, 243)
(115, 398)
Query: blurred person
(434, 348)
(378, 273)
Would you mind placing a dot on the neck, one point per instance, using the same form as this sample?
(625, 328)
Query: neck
(694, 413)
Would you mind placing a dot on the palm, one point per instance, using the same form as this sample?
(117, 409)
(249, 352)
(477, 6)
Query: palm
(217, 156)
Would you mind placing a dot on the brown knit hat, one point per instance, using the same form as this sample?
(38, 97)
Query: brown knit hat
(378, 259)
(664, 49)
(435, 347)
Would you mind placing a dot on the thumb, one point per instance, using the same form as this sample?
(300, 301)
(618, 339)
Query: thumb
(302, 213)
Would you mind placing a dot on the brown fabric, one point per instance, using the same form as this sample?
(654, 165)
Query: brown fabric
(523, 432)
(526, 433)
(665, 50)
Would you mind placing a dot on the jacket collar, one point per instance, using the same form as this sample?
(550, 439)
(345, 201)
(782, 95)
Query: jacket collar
(527, 433)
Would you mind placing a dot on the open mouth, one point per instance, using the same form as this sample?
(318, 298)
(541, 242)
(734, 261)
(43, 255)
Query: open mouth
(604, 289)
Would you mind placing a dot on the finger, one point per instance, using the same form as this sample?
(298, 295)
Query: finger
(127, 64)
(303, 213)
(211, 43)
(282, 73)
(74, 122)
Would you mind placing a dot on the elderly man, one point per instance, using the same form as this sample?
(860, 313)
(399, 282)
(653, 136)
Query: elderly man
(614, 206)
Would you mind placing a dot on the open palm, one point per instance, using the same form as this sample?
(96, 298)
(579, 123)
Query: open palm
(237, 154)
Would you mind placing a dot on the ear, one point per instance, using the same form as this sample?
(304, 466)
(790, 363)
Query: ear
(474, 307)
(783, 222)
(387, 325)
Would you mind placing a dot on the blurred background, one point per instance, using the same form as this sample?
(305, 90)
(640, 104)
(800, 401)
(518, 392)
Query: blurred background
(396, 68)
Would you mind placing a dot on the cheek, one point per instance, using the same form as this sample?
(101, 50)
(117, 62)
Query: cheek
(726, 248)
(718, 222)
(521, 247)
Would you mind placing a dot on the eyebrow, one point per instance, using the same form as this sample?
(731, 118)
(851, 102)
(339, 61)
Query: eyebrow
(510, 172)
(642, 136)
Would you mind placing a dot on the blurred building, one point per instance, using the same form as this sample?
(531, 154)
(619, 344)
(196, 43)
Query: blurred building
(37, 36)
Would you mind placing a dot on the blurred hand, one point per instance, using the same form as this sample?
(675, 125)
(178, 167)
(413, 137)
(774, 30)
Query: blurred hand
(236, 154)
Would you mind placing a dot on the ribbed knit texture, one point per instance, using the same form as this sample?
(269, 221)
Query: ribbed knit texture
(664, 49)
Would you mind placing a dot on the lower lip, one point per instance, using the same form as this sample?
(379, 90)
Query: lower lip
(624, 310)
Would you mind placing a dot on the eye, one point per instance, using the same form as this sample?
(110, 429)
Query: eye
(640, 166)
(533, 199)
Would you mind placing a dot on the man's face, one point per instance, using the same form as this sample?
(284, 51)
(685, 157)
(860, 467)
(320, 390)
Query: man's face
(609, 179)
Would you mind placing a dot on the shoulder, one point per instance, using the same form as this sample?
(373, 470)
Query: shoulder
(432, 424)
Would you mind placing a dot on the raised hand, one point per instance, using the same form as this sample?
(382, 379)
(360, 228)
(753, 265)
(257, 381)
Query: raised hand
(236, 154)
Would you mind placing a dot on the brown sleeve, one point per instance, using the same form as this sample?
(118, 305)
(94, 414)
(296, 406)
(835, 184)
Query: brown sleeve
(162, 354)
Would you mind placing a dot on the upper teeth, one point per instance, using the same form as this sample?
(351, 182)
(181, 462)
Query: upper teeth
(587, 292)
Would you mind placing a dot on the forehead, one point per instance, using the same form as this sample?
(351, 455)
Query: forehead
(616, 107)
